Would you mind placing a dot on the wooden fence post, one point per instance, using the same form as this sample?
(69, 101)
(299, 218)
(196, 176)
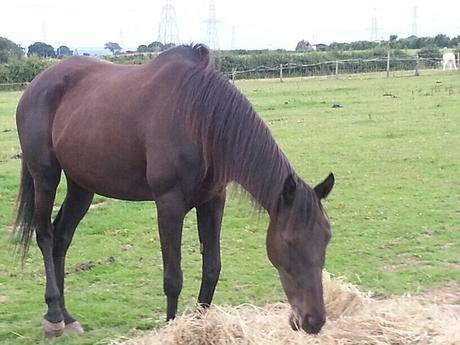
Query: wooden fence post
(458, 59)
(417, 73)
(233, 75)
(281, 72)
(388, 64)
(336, 68)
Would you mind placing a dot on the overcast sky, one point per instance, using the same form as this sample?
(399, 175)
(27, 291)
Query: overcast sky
(242, 23)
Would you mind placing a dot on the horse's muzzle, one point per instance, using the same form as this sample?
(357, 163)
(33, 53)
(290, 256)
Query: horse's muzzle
(309, 323)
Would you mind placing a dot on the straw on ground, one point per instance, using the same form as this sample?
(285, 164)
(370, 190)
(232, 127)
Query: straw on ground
(353, 318)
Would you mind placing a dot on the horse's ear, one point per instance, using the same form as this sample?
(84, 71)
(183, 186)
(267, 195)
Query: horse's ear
(289, 189)
(323, 189)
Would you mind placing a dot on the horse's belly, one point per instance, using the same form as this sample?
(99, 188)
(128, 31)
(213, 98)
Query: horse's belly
(108, 177)
(110, 184)
(107, 162)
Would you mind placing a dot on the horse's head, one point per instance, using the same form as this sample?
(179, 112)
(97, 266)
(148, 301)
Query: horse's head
(297, 237)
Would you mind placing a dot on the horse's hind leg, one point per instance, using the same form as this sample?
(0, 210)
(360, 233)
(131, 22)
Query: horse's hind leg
(46, 179)
(34, 117)
(73, 209)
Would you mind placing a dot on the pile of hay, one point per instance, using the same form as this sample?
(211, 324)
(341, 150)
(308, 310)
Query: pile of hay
(353, 318)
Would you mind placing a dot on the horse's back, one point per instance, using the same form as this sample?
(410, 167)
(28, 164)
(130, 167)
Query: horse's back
(86, 77)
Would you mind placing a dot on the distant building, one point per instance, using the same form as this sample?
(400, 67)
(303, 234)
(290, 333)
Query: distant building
(92, 51)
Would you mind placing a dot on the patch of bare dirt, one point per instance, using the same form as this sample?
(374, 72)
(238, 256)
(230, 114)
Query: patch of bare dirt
(448, 294)
(101, 204)
(405, 262)
(89, 265)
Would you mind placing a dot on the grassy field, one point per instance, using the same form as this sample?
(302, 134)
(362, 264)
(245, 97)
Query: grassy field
(393, 146)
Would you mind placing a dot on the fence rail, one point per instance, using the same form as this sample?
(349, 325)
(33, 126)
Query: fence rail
(13, 86)
(348, 66)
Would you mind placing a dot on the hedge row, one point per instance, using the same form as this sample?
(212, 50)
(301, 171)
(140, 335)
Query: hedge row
(23, 69)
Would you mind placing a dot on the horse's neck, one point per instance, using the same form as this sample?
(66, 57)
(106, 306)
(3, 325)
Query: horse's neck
(237, 145)
(262, 173)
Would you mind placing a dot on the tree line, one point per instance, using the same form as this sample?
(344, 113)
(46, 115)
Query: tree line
(9, 49)
(411, 42)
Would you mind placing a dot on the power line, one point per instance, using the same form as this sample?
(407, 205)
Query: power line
(414, 21)
(374, 27)
(168, 31)
(121, 37)
(212, 38)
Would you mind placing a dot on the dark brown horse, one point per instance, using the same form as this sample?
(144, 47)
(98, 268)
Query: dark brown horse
(176, 132)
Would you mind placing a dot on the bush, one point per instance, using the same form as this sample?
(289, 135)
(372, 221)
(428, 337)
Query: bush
(264, 63)
(431, 52)
(131, 59)
(3, 74)
(23, 69)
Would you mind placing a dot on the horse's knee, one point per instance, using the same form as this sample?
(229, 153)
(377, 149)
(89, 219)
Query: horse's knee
(172, 283)
(211, 274)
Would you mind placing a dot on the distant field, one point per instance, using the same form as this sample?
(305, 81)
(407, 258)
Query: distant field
(393, 145)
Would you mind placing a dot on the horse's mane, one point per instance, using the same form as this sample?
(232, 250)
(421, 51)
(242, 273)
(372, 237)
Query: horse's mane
(237, 145)
(198, 54)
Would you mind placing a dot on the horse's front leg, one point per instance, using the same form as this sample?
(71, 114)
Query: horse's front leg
(209, 216)
(171, 212)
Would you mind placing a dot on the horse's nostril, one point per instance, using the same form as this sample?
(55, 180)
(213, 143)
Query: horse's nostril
(312, 324)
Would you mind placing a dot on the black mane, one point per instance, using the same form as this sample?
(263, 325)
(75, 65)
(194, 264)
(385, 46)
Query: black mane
(237, 145)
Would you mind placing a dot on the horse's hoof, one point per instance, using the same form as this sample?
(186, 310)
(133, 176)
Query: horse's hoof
(74, 328)
(52, 329)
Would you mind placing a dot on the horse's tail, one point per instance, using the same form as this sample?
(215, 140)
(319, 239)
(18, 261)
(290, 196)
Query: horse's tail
(25, 208)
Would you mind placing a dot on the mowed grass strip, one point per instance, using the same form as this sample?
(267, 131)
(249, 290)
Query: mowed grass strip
(393, 145)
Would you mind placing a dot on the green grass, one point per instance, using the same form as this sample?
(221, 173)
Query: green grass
(394, 209)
